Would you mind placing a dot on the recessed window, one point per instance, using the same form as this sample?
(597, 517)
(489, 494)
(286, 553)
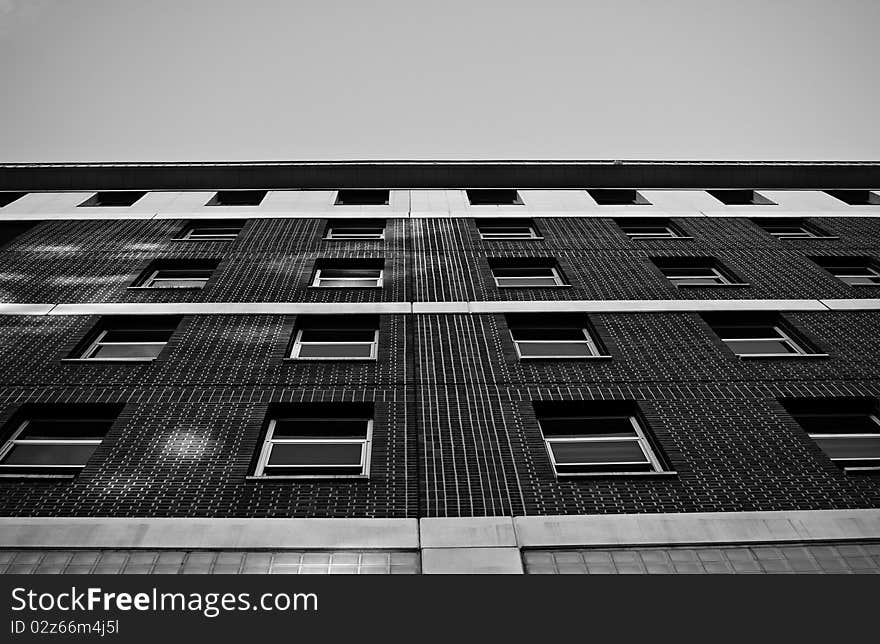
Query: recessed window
(237, 198)
(347, 273)
(759, 335)
(856, 197)
(741, 198)
(336, 337)
(598, 438)
(507, 229)
(343, 229)
(696, 271)
(7, 198)
(45, 440)
(214, 230)
(494, 197)
(362, 197)
(554, 336)
(649, 228)
(9, 230)
(166, 273)
(311, 440)
(846, 429)
(792, 228)
(136, 338)
(617, 197)
(526, 273)
(116, 199)
(855, 271)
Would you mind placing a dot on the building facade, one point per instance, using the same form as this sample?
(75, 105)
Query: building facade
(440, 367)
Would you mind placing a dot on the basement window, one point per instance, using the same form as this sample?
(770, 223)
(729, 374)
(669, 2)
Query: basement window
(741, 198)
(46, 440)
(336, 337)
(117, 199)
(362, 197)
(317, 440)
(696, 271)
(7, 198)
(525, 274)
(617, 197)
(186, 274)
(649, 228)
(494, 197)
(759, 335)
(856, 197)
(553, 337)
(237, 198)
(846, 429)
(498, 229)
(792, 228)
(349, 274)
(137, 338)
(855, 271)
(347, 229)
(598, 438)
(213, 230)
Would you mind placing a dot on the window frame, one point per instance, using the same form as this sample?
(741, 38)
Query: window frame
(533, 234)
(640, 438)
(329, 235)
(152, 278)
(557, 275)
(517, 201)
(681, 281)
(338, 194)
(190, 227)
(66, 470)
(870, 272)
(840, 462)
(297, 345)
(785, 337)
(592, 344)
(316, 280)
(269, 442)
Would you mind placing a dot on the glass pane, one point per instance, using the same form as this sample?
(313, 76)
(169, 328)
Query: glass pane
(347, 283)
(598, 452)
(862, 280)
(571, 333)
(522, 271)
(335, 351)
(691, 271)
(753, 347)
(592, 426)
(515, 281)
(350, 272)
(338, 335)
(698, 281)
(648, 230)
(868, 447)
(128, 351)
(214, 232)
(49, 454)
(141, 335)
(561, 349)
(747, 331)
(355, 230)
(181, 283)
(837, 423)
(72, 429)
(320, 427)
(316, 454)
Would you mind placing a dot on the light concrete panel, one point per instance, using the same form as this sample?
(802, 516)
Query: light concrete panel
(471, 561)
(467, 532)
(228, 308)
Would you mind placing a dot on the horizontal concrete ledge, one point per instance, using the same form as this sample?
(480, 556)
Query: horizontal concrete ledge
(228, 308)
(644, 306)
(209, 533)
(853, 305)
(488, 532)
(25, 309)
(696, 528)
(472, 561)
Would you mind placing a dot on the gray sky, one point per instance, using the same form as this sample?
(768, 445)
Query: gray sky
(142, 80)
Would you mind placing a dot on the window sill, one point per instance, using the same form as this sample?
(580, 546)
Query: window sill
(363, 477)
(825, 237)
(526, 239)
(346, 288)
(565, 358)
(164, 288)
(534, 287)
(729, 285)
(594, 475)
(762, 356)
(186, 239)
(353, 239)
(329, 359)
(862, 471)
(82, 360)
(646, 238)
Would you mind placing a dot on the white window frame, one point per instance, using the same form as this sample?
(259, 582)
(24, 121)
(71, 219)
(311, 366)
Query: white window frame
(91, 350)
(680, 280)
(870, 272)
(13, 440)
(805, 233)
(379, 281)
(334, 236)
(640, 438)
(595, 352)
(783, 336)
(556, 277)
(490, 236)
(269, 442)
(150, 282)
(842, 461)
(671, 234)
(189, 235)
(298, 344)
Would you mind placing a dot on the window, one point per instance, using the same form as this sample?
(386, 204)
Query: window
(846, 429)
(121, 199)
(190, 274)
(741, 198)
(355, 229)
(616, 197)
(137, 338)
(309, 440)
(526, 273)
(603, 437)
(7, 198)
(339, 273)
(212, 230)
(855, 271)
(336, 337)
(791, 228)
(10, 230)
(508, 229)
(45, 440)
(759, 335)
(856, 197)
(696, 271)
(494, 197)
(557, 336)
(237, 198)
(362, 197)
(649, 228)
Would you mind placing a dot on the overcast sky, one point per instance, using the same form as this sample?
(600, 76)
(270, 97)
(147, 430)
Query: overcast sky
(154, 80)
